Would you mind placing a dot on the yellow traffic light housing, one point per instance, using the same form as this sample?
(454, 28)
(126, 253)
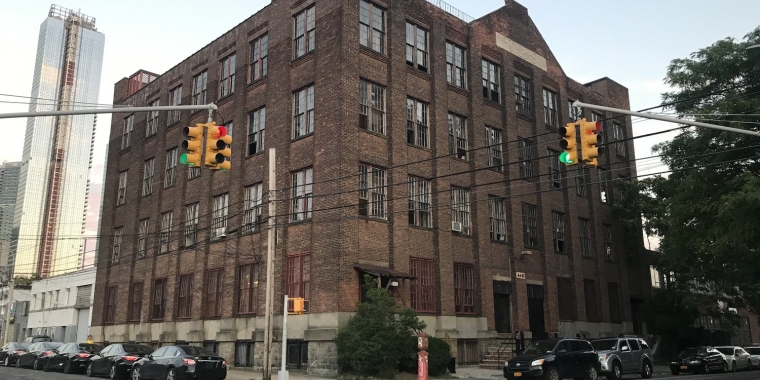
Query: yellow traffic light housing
(570, 154)
(298, 306)
(218, 150)
(192, 145)
(590, 137)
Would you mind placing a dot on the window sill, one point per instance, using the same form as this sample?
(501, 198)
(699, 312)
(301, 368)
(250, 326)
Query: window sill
(531, 247)
(302, 58)
(426, 312)
(525, 117)
(125, 150)
(378, 134)
(430, 229)
(156, 319)
(144, 196)
(196, 112)
(255, 154)
(493, 104)
(560, 253)
(256, 82)
(170, 186)
(504, 242)
(186, 247)
(217, 239)
(247, 313)
(151, 137)
(297, 222)
(310, 134)
(212, 317)
(550, 127)
(373, 219)
(373, 53)
(172, 125)
(418, 147)
(184, 318)
(493, 169)
(465, 314)
(132, 321)
(224, 98)
(459, 90)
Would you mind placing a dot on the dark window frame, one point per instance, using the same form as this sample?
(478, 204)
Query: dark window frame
(464, 288)
(422, 286)
(258, 58)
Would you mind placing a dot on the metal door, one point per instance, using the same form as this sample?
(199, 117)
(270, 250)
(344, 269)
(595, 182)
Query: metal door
(536, 312)
(501, 306)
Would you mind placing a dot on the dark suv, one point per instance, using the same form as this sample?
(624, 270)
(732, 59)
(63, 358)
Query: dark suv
(555, 359)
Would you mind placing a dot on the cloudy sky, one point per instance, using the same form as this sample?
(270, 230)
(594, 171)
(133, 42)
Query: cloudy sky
(631, 42)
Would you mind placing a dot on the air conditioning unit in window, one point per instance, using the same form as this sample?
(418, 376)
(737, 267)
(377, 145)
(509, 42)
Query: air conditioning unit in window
(456, 226)
(496, 163)
(461, 153)
(220, 232)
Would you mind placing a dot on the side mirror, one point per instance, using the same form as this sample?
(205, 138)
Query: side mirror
(561, 351)
(150, 357)
(625, 349)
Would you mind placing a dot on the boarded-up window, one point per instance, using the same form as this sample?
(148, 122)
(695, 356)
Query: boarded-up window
(566, 299)
(83, 297)
(464, 288)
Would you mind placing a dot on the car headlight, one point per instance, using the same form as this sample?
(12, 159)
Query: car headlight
(694, 362)
(506, 363)
(537, 363)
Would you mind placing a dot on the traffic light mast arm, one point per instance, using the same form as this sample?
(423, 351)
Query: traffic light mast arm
(664, 118)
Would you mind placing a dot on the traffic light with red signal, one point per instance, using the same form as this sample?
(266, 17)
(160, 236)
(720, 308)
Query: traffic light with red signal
(591, 135)
(218, 149)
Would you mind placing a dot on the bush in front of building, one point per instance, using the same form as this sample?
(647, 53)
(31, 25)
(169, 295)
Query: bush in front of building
(372, 342)
(439, 356)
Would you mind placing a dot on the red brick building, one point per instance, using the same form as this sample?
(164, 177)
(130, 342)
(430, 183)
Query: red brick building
(412, 143)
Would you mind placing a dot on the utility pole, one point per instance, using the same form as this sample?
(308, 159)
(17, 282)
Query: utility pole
(283, 374)
(267, 375)
(6, 329)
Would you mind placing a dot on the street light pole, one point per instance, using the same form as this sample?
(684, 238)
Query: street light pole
(7, 327)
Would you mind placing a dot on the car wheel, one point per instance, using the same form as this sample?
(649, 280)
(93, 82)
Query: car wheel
(89, 370)
(136, 373)
(733, 366)
(170, 374)
(591, 373)
(646, 370)
(112, 372)
(725, 367)
(675, 372)
(705, 367)
(616, 373)
(67, 367)
(7, 361)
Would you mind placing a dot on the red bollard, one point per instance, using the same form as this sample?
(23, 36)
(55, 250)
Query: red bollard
(422, 356)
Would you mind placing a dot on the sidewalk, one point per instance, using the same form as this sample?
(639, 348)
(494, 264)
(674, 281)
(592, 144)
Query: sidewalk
(475, 372)
(246, 374)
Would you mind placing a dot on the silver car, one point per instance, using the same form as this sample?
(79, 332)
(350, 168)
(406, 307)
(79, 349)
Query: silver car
(623, 355)
(736, 357)
(754, 357)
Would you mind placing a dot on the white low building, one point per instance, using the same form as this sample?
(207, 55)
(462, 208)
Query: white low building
(61, 306)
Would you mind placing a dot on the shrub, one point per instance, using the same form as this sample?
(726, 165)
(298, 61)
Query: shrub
(439, 355)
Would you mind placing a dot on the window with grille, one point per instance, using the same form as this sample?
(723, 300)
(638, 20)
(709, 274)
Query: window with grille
(614, 302)
(530, 225)
(573, 113)
(116, 249)
(227, 76)
(417, 123)
(604, 177)
(419, 202)
(304, 24)
(211, 345)
(372, 26)
(191, 224)
(493, 150)
(460, 210)
(298, 276)
(555, 172)
(592, 306)
(110, 309)
(219, 218)
(166, 230)
(497, 218)
(491, 82)
(581, 181)
(464, 288)
(558, 232)
(243, 353)
(523, 96)
(372, 191)
(551, 117)
(456, 72)
(259, 58)
(159, 298)
(135, 302)
(253, 205)
(214, 281)
(301, 195)
(248, 282)
(371, 107)
(609, 254)
(303, 112)
(416, 47)
(200, 88)
(142, 238)
(526, 154)
(618, 133)
(152, 126)
(193, 172)
(256, 131)
(175, 99)
(126, 133)
(147, 187)
(566, 299)
(458, 136)
(422, 288)
(585, 238)
(171, 167)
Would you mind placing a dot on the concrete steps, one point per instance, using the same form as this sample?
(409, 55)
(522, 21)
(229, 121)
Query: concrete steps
(492, 360)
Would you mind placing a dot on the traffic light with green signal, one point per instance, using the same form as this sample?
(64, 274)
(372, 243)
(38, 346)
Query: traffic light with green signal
(591, 135)
(192, 145)
(568, 145)
(218, 150)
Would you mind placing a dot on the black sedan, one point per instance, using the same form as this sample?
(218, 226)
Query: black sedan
(10, 352)
(116, 360)
(71, 357)
(180, 362)
(36, 354)
(699, 360)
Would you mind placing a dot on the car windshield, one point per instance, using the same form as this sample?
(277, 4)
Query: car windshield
(51, 345)
(753, 350)
(725, 350)
(604, 344)
(40, 339)
(18, 346)
(540, 348)
(693, 352)
(191, 350)
(137, 348)
(89, 347)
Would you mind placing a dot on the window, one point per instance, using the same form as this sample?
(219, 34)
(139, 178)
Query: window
(159, 298)
(219, 218)
(372, 26)
(458, 136)
(585, 238)
(301, 195)
(110, 310)
(419, 202)
(303, 112)
(135, 302)
(211, 345)
(416, 47)
(555, 172)
(530, 225)
(460, 210)
(422, 289)
(214, 293)
(566, 299)
(185, 299)
(126, 133)
(253, 206)
(497, 218)
(417, 123)
(243, 354)
(614, 302)
(491, 82)
(526, 153)
(371, 107)
(147, 188)
(551, 118)
(523, 96)
(171, 166)
(256, 131)
(227, 76)
(558, 231)
(298, 266)
(175, 99)
(493, 143)
(573, 113)
(191, 224)
(464, 288)
(199, 88)
(456, 72)
(248, 283)
(304, 24)
(581, 181)
(618, 133)
(152, 127)
(193, 172)
(142, 238)
(592, 309)
(372, 192)
(166, 230)
(258, 65)
(609, 254)
(116, 249)
(655, 275)
(604, 176)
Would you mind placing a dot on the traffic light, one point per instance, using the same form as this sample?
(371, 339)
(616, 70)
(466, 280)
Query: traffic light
(192, 145)
(590, 136)
(218, 147)
(570, 154)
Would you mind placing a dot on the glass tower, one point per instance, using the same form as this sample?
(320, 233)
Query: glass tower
(51, 203)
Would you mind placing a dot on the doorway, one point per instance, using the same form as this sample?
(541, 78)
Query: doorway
(536, 312)
(501, 306)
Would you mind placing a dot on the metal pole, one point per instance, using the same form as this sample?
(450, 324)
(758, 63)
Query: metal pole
(88, 111)
(8, 311)
(267, 375)
(283, 374)
(664, 118)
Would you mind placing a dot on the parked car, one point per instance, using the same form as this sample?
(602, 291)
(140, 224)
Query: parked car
(699, 360)
(34, 356)
(754, 357)
(10, 352)
(554, 359)
(37, 338)
(71, 357)
(620, 356)
(180, 362)
(116, 360)
(736, 357)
